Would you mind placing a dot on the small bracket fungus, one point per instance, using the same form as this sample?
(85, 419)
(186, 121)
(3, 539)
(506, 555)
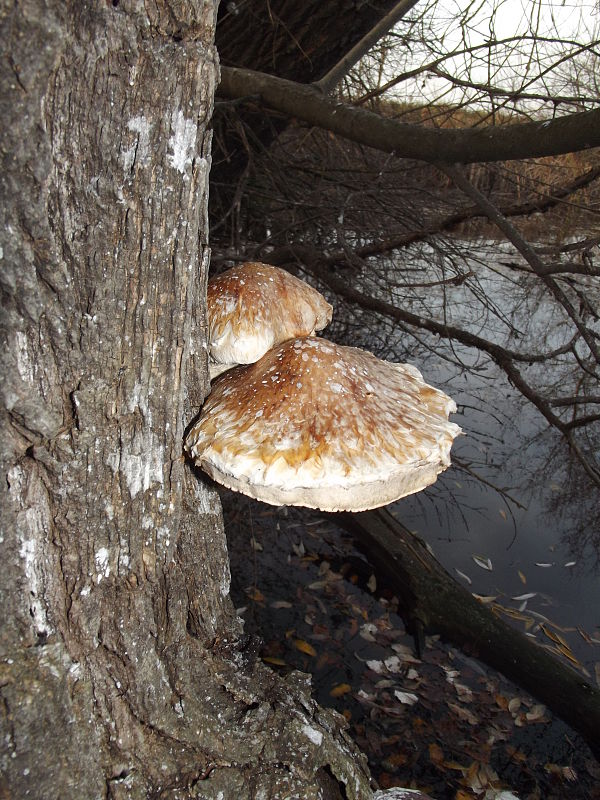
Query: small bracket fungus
(253, 307)
(319, 425)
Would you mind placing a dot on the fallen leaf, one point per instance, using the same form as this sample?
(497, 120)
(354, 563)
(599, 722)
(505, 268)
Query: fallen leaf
(274, 661)
(570, 563)
(501, 701)
(304, 647)
(463, 576)
(535, 713)
(407, 698)
(367, 631)
(340, 690)
(556, 637)
(372, 583)
(482, 562)
(436, 754)
(463, 691)
(405, 653)
(463, 713)
(393, 664)
(526, 596)
(514, 704)
(522, 577)
(281, 604)
(503, 514)
(397, 759)
(543, 564)
(299, 549)
(489, 598)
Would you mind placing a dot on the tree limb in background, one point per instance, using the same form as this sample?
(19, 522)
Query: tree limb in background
(567, 134)
(451, 221)
(361, 48)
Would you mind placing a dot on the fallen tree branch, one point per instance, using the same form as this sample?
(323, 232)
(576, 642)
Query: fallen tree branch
(433, 601)
(361, 48)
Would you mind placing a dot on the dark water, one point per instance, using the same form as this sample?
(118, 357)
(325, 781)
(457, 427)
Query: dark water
(514, 494)
(514, 500)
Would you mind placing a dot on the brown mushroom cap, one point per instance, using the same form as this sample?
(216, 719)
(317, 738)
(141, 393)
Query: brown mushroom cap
(253, 307)
(319, 425)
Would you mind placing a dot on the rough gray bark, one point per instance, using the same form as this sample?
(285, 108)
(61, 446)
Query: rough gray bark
(567, 134)
(122, 669)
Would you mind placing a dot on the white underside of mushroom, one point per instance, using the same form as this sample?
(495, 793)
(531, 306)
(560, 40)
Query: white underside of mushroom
(241, 345)
(323, 426)
(343, 495)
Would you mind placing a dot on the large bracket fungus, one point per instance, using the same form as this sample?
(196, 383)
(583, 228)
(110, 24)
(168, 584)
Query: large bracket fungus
(253, 307)
(320, 425)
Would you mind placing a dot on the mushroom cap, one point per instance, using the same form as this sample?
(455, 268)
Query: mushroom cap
(319, 425)
(254, 306)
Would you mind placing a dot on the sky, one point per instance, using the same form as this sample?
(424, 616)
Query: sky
(452, 24)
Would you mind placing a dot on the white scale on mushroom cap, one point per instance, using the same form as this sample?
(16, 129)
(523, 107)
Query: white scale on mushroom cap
(316, 424)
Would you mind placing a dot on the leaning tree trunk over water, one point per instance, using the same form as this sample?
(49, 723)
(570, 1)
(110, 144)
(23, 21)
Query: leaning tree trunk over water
(122, 669)
(431, 600)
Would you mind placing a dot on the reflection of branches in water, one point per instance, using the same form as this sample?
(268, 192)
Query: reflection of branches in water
(590, 361)
(343, 214)
(571, 501)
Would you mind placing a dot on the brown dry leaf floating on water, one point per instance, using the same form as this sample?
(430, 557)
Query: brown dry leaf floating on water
(485, 599)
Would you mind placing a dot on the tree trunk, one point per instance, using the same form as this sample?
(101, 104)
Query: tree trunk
(123, 668)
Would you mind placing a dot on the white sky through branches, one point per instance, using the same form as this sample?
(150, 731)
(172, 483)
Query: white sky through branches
(486, 53)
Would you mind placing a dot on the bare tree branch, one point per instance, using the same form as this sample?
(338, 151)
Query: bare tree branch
(337, 72)
(562, 135)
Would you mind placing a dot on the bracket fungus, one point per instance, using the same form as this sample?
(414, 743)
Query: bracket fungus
(316, 424)
(253, 307)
